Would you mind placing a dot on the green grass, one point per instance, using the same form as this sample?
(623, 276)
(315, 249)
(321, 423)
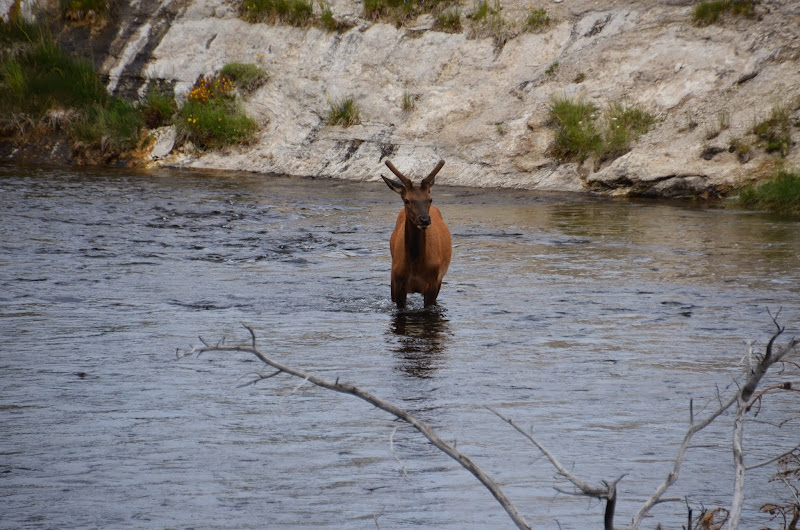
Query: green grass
(158, 107)
(216, 123)
(449, 21)
(780, 194)
(116, 124)
(326, 19)
(581, 130)
(409, 101)
(44, 76)
(37, 76)
(774, 134)
(623, 126)
(537, 20)
(343, 112)
(292, 12)
(489, 22)
(481, 11)
(576, 132)
(398, 11)
(246, 77)
(708, 12)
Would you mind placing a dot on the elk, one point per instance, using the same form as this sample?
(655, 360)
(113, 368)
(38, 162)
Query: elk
(420, 244)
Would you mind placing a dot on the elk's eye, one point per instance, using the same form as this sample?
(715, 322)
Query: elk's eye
(406, 201)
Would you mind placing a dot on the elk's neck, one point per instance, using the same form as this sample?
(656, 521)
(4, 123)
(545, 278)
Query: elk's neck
(415, 240)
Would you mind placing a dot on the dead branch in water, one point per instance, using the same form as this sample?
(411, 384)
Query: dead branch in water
(606, 492)
(347, 388)
(744, 398)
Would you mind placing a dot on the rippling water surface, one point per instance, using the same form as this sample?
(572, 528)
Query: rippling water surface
(591, 322)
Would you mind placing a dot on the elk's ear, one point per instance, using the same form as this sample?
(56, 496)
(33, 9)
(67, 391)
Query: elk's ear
(394, 185)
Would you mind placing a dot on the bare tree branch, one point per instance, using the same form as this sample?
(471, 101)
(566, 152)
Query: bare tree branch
(346, 388)
(773, 459)
(607, 492)
(754, 373)
(771, 356)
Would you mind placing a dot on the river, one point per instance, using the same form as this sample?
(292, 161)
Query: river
(593, 322)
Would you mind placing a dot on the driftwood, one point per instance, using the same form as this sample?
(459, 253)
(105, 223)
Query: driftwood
(744, 399)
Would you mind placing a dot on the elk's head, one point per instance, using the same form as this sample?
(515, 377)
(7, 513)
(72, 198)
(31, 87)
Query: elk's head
(417, 199)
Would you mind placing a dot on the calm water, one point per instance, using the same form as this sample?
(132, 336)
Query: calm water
(591, 322)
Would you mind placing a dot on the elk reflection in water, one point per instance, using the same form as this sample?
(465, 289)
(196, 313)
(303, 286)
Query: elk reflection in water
(421, 340)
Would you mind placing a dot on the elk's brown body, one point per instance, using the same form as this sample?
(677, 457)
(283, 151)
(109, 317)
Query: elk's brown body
(420, 244)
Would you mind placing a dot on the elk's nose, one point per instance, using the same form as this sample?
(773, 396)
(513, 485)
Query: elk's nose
(424, 220)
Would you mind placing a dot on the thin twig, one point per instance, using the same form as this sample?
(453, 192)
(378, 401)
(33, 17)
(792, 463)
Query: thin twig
(774, 459)
(607, 492)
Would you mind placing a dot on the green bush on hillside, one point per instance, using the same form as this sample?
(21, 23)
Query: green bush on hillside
(582, 130)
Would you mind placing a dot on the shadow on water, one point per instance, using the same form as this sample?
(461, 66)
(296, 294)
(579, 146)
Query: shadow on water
(421, 340)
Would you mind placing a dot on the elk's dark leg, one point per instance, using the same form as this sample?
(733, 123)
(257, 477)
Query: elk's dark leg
(398, 294)
(430, 296)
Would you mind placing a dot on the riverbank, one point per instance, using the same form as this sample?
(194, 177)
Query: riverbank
(480, 98)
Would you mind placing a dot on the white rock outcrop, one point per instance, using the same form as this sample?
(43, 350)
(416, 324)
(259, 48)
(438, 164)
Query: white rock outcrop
(483, 109)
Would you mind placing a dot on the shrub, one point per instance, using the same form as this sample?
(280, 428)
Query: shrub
(537, 20)
(343, 112)
(781, 193)
(215, 123)
(293, 12)
(210, 116)
(246, 77)
(551, 69)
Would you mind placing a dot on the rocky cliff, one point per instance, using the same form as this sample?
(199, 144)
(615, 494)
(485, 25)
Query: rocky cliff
(481, 104)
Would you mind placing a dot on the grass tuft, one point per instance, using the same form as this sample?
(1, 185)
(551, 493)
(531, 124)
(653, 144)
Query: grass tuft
(449, 21)
(343, 112)
(779, 194)
(398, 11)
(580, 131)
(623, 126)
(211, 118)
(537, 20)
(115, 125)
(708, 12)
(576, 134)
(246, 77)
(409, 101)
(293, 12)
(774, 134)
(158, 107)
